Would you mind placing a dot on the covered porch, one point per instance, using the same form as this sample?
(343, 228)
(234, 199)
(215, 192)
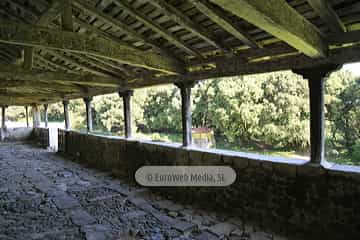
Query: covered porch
(56, 51)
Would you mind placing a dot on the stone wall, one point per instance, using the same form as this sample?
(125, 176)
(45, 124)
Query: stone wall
(15, 134)
(41, 137)
(287, 196)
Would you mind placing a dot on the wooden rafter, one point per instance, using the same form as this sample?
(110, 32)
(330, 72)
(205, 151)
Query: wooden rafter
(182, 19)
(25, 35)
(157, 28)
(74, 62)
(328, 15)
(44, 85)
(13, 72)
(84, 7)
(282, 21)
(53, 65)
(50, 14)
(224, 22)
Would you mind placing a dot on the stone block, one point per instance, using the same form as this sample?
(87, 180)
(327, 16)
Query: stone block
(195, 157)
(182, 157)
(184, 226)
(80, 217)
(285, 169)
(222, 229)
(309, 170)
(211, 159)
(240, 163)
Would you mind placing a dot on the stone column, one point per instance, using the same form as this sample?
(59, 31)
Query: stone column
(46, 115)
(316, 79)
(3, 117)
(66, 114)
(36, 116)
(27, 116)
(185, 90)
(126, 96)
(89, 124)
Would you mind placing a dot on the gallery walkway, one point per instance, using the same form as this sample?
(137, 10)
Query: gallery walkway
(44, 196)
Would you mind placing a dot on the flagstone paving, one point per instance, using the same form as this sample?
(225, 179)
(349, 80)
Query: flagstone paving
(45, 196)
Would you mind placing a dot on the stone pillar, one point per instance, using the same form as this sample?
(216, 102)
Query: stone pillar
(27, 116)
(89, 124)
(46, 115)
(66, 114)
(3, 117)
(36, 116)
(316, 79)
(126, 96)
(185, 90)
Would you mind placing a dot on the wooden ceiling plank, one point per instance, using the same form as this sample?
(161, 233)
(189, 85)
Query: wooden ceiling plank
(83, 6)
(328, 15)
(157, 28)
(282, 21)
(53, 64)
(25, 35)
(182, 19)
(224, 22)
(50, 14)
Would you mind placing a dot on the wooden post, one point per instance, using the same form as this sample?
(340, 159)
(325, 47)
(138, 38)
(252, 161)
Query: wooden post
(126, 96)
(185, 90)
(316, 79)
(89, 125)
(66, 16)
(46, 115)
(66, 114)
(36, 116)
(3, 110)
(27, 115)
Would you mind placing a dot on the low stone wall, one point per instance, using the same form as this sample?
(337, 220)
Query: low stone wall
(41, 137)
(287, 196)
(15, 134)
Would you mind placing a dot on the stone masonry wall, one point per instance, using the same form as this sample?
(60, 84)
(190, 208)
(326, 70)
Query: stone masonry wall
(287, 196)
(41, 137)
(15, 134)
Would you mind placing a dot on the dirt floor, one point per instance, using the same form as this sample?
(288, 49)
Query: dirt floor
(44, 196)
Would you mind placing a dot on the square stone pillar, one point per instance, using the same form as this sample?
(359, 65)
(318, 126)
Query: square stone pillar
(316, 79)
(66, 114)
(126, 96)
(89, 124)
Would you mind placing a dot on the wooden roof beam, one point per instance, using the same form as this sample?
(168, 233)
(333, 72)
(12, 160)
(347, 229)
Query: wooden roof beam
(157, 28)
(328, 15)
(25, 35)
(52, 64)
(282, 21)
(13, 72)
(224, 22)
(82, 6)
(182, 19)
(50, 14)
(45, 85)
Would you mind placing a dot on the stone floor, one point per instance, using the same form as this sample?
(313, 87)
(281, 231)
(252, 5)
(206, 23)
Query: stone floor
(44, 196)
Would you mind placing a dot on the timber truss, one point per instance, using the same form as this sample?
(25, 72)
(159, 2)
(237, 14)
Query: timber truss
(52, 50)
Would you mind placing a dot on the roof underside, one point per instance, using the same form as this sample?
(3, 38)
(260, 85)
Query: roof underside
(52, 50)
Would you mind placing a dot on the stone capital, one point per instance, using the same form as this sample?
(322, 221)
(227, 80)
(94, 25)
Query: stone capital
(318, 72)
